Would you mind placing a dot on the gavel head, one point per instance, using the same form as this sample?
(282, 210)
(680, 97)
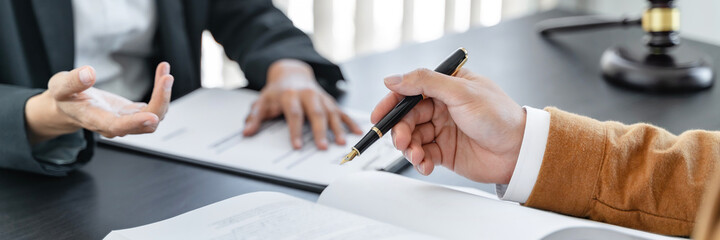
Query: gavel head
(661, 21)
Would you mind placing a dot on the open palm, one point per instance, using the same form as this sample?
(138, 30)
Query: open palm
(71, 103)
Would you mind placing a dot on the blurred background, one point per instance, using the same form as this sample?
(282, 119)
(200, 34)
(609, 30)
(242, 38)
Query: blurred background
(343, 29)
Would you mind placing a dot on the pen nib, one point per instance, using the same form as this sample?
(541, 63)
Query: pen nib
(349, 156)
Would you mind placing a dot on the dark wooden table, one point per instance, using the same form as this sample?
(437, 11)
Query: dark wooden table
(120, 189)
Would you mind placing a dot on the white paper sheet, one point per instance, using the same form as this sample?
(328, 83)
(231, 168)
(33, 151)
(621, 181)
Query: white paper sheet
(265, 215)
(206, 127)
(448, 213)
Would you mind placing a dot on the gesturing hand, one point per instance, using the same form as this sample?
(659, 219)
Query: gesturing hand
(292, 91)
(71, 103)
(467, 124)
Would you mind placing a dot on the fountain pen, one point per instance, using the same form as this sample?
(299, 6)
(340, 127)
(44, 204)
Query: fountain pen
(450, 66)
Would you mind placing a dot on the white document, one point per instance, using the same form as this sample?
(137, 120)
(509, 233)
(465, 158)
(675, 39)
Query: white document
(206, 126)
(265, 215)
(375, 205)
(452, 214)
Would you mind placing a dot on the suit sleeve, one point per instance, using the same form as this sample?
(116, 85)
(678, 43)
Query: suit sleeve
(638, 176)
(255, 34)
(55, 157)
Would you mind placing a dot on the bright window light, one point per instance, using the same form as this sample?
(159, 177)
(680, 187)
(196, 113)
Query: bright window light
(428, 20)
(343, 28)
(387, 21)
(301, 13)
(490, 12)
(462, 15)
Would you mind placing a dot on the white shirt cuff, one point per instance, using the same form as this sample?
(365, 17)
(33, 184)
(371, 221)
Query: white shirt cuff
(532, 151)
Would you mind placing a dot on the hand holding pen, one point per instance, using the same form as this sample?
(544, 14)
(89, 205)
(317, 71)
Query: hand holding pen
(448, 67)
(467, 124)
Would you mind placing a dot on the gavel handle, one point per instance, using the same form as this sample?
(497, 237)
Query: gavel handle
(577, 23)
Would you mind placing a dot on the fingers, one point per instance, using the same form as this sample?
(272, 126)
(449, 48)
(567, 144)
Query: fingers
(336, 124)
(424, 133)
(317, 117)
(141, 122)
(384, 106)
(65, 85)
(432, 157)
(429, 83)
(132, 108)
(422, 113)
(255, 117)
(160, 99)
(422, 151)
(111, 125)
(464, 73)
(351, 124)
(337, 119)
(293, 112)
(162, 69)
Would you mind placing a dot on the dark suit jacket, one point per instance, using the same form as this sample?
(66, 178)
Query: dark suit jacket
(37, 41)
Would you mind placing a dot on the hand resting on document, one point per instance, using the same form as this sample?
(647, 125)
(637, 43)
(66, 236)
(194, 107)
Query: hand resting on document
(291, 91)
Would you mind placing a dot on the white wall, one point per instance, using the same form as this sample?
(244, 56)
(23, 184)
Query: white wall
(699, 19)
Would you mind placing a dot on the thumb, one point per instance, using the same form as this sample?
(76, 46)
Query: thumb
(429, 83)
(64, 84)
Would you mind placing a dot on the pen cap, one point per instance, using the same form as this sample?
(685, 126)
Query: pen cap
(453, 62)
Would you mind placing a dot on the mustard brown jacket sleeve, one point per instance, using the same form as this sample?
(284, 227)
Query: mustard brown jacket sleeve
(707, 225)
(639, 176)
